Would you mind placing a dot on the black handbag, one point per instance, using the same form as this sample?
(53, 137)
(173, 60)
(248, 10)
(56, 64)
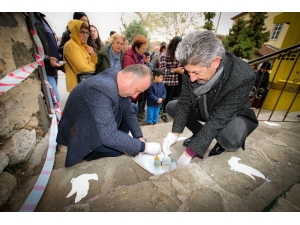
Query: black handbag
(82, 76)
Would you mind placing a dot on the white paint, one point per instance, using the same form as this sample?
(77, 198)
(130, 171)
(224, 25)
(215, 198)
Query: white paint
(235, 166)
(272, 124)
(80, 185)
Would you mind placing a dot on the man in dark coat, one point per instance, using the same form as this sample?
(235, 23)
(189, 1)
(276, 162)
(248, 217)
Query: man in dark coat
(91, 124)
(215, 90)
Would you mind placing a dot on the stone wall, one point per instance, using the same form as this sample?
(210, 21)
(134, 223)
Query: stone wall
(24, 119)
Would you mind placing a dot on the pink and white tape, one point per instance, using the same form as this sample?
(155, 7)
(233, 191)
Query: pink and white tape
(39, 187)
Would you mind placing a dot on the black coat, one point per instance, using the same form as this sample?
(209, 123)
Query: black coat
(229, 98)
(41, 32)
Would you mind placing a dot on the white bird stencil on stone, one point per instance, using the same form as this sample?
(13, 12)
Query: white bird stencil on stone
(236, 166)
(80, 185)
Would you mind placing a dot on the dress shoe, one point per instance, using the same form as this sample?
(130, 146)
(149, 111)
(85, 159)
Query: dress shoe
(217, 150)
(187, 141)
(164, 118)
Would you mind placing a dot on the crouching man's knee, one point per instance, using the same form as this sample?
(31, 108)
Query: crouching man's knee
(233, 136)
(171, 108)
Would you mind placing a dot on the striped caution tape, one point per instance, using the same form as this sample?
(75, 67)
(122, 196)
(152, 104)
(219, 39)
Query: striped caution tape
(14, 78)
(39, 187)
(57, 110)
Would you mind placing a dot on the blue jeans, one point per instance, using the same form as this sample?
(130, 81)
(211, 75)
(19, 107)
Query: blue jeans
(152, 114)
(53, 82)
(231, 137)
(135, 108)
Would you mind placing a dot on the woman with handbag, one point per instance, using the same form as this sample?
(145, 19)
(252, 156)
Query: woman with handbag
(79, 57)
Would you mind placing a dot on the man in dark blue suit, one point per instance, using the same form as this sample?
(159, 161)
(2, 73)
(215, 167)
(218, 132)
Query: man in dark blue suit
(92, 122)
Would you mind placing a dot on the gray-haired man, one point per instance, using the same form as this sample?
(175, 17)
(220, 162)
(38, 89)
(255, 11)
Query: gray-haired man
(215, 90)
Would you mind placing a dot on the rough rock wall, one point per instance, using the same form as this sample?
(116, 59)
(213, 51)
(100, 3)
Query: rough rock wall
(24, 120)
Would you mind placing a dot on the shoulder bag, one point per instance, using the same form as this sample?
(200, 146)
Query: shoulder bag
(81, 76)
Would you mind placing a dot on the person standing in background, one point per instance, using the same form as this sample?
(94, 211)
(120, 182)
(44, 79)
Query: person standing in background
(96, 38)
(77, 54)
(66, 34)
(126, 45)
(156, 93)
(52, 57)
(172, 69)
(157, 54)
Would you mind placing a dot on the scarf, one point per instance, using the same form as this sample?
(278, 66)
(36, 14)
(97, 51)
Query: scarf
(201, 91)
(140, 58)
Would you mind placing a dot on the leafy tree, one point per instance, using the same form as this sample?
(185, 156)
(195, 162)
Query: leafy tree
(245, 36)
(257, 29)
(168, 24)
(209, 25)
(134, 28)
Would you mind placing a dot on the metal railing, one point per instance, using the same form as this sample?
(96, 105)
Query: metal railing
(291, 54)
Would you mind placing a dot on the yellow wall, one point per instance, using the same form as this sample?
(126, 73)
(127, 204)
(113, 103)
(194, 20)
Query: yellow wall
(287, 69)
(270, 26)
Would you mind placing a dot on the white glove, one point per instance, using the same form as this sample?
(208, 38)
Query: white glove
(168, 141)
(183, 160)
(152, 148)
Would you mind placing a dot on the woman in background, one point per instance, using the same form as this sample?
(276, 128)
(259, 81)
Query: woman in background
(170, 66)
(66, 34)
(96, 38)
(79, 57)
(111, 55)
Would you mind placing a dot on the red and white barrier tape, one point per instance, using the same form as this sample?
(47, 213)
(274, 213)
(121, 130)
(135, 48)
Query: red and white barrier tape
(14, 78)
(40, 185)
(57, 110)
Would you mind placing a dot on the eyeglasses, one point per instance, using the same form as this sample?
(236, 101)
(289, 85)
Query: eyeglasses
(83, 33)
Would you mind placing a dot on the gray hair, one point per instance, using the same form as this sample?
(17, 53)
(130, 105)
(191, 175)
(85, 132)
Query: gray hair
(139, 71)
(199, 48)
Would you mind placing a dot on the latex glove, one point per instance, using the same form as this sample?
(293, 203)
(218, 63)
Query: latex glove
(152, 148)
(183, 160)
(168, 141)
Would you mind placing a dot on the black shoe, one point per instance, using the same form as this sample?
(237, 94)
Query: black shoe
(141, 116)
(153, 123)
(187, 141)
(217, 150)
(164, 118)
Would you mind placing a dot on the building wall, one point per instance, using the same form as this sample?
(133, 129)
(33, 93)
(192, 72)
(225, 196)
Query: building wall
(270, 26)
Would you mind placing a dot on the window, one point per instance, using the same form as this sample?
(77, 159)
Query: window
(276, 31)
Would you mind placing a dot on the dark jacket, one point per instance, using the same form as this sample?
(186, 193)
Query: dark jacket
(156, 91)
(262, 80)
(48, 49)
(92, 115)
(104, 59)
(229, 98)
